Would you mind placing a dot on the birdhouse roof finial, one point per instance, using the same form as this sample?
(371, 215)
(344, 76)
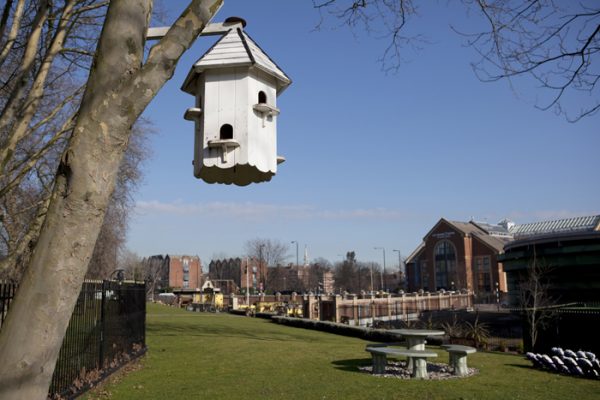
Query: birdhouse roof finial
(236, 20)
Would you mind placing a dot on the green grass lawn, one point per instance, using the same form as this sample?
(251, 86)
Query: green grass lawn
(221, 356)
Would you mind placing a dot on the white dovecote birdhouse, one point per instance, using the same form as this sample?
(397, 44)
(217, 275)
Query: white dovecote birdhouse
(236, 86)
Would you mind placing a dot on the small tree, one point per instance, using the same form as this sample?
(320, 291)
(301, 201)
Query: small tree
(272, 252)
(345, 273)
(268, 251)
(155, 274)
(131, 263)
(534, 299)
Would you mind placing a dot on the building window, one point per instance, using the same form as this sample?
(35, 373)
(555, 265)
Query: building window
(416, 276)
(424, 276)
(483, 274)
(186, 265)
(226, 132)
(445, 265)
(262, 97)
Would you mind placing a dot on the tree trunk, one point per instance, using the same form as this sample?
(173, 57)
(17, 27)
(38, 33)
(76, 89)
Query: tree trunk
(119, 89)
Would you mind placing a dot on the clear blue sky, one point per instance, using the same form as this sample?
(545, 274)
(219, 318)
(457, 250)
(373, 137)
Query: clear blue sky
(372, 159)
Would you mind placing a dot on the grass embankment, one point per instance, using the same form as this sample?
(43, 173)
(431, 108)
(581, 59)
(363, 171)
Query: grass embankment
(221, 356)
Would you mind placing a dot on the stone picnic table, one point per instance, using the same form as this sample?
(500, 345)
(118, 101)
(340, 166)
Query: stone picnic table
(416, 353)
(419, 369)
(416, 338)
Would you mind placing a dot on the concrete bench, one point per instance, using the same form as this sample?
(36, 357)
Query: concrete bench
(419, 357)
(386, 344)
(457, 357)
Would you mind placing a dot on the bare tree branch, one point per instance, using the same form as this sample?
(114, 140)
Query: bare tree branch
(555, 44)
(28, 164)
(384, 19)
(14, 29)
(31, 101)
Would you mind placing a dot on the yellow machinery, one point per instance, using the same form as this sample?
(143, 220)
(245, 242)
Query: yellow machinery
(208, 298)
(275, 307)
(248, 310)
(281, 308)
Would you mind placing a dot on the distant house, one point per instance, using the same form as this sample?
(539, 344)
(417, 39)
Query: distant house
(460, 255)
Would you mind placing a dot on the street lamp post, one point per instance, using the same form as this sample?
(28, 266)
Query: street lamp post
(400, 272)
(359, 283)
(247, 285)
(371, 278)
(295, 241)
(384, 276)
(260, 261)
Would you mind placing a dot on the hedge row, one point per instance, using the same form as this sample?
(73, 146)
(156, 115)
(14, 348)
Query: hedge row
(372, 334)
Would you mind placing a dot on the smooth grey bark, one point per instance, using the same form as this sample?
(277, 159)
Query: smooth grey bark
(119, 89)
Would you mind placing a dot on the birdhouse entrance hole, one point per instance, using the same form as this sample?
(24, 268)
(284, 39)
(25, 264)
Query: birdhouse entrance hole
(262, 97)
(226, 132)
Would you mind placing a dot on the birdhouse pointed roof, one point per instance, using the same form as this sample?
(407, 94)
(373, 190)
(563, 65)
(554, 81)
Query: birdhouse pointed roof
(235, 49)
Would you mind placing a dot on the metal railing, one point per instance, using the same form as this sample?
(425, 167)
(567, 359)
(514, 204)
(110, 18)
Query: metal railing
(107, 326)
(7, 292)
(108, 322)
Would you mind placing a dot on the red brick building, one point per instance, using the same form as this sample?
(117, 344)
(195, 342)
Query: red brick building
(460, 255)
(185, 272)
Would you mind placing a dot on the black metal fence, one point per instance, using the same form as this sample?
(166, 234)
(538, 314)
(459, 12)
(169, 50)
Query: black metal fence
(7, 292)
(570, 327)
(107, 327)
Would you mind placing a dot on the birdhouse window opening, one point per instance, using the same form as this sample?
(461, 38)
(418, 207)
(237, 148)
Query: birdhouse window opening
(262, 97)
(226, 132)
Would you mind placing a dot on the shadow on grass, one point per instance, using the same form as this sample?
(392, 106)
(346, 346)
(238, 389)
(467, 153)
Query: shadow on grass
(352, 364)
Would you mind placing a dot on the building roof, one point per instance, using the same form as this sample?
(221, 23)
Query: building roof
(478, 232)
(568, 225)
(495, 242)
(466, 227)
(235, 49)
(416, 252)
(494, 230)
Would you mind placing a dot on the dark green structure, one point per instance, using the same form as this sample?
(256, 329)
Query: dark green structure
(572, 261)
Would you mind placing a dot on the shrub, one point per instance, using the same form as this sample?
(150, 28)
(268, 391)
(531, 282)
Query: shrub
(377, 335)
(478, 332)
